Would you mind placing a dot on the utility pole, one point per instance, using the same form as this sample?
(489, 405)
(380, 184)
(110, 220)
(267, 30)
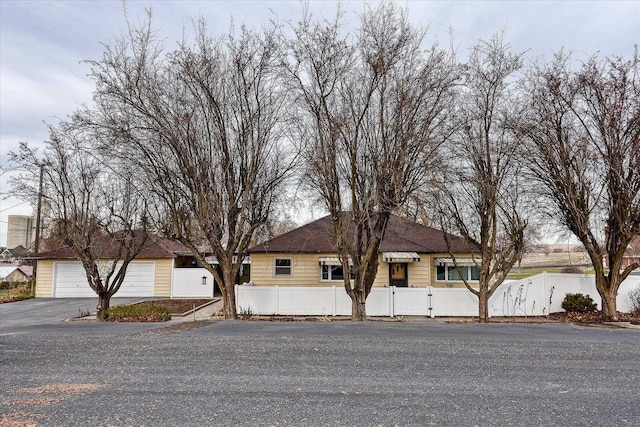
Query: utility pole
(38, 218)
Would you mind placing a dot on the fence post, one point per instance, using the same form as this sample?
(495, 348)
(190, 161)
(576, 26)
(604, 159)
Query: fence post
(431, 310)
(392, 301)
(276, 300)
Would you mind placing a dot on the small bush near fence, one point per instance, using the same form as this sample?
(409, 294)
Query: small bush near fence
(245, 313)
(6, 285)
(578, 303)
(634, 296)
(136, 313)
(15, 291)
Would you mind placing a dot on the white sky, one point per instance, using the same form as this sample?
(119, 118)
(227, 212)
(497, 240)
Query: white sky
(42, 44)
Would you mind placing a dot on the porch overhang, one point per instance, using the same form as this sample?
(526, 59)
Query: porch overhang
(459, 261)
(331, 260)
(400, 257)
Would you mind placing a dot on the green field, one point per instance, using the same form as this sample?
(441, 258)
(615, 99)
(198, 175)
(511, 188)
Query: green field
(524, 272)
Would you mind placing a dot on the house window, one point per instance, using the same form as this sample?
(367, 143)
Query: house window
(283, 267)
(335, 273)
(449, 273)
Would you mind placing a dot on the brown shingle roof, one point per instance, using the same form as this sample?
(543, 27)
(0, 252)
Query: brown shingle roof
(401, 236)
(154, 247)
(26, 269)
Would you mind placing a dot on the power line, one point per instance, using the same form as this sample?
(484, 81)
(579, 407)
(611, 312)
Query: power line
(11, 207)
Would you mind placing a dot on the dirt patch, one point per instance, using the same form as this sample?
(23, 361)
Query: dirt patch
(179, 306)
(17, 419)
(61, 388)
(33, 402)
(594, 317)
(11, 298)
(48, 394)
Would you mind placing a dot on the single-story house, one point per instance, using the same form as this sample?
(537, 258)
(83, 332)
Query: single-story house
(61, 275)
(21, 273)
(411, 255)
(14, 255)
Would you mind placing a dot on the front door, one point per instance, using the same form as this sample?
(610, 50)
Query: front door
(398, 274)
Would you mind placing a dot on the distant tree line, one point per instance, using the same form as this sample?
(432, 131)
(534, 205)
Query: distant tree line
(203, 143)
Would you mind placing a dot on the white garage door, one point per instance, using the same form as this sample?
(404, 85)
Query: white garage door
(70, 281)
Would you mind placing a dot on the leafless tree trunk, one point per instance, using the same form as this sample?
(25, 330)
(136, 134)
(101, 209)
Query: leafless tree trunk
(371, 109)
(94, 205)
(480, 194)
(205, 126)
(583, 137)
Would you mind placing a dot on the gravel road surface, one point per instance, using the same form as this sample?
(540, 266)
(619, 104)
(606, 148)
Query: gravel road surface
(336, 373)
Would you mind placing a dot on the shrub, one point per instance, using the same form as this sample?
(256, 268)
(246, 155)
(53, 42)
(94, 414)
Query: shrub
(634, 296)
(136, 313)
(578, 303)
(6, 285)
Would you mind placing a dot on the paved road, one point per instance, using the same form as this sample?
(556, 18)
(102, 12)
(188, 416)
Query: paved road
(320, 373)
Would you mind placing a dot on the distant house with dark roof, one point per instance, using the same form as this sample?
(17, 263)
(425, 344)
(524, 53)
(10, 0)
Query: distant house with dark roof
(411, 255)
(14, 255)
(61, 275)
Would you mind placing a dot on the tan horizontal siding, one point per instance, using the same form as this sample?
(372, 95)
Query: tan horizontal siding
(44, 279)
(420, 272)
(162, 279)
(382, 276)
(305, 270)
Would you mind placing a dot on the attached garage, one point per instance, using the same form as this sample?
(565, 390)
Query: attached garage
(70, 281)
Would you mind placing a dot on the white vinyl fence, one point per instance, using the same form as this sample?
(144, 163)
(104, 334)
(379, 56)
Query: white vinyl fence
(534, 296)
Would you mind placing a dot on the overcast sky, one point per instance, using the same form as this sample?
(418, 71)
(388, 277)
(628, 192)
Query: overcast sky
(43, 43)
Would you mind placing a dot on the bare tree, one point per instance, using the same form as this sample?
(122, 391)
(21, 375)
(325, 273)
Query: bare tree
(205, 126)
(275, 227)
(481, 197)
(371, 109)
(96, 210)
(583, 135)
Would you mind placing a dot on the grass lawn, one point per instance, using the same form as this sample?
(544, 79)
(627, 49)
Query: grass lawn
(524, 272)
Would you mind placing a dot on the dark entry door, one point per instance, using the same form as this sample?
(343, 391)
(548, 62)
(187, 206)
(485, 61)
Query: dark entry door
(398, 274)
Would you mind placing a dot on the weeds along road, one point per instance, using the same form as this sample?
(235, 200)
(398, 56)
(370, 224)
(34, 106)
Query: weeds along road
(319, 373)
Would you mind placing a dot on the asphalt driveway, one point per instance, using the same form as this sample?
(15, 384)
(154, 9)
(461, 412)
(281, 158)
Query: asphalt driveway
(35, 314)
